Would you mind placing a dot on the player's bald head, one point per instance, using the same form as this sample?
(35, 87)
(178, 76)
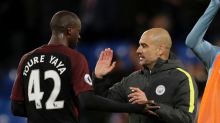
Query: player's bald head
(159, 36)
(64, 19)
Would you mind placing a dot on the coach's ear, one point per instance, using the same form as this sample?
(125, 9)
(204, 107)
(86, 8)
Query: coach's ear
(159, 51)
(18, 108)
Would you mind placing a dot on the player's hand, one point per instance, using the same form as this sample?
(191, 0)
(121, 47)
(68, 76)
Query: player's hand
(104, 64)
(150, 107)
(137, 96)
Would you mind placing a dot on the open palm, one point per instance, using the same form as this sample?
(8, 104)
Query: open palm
(104, 64)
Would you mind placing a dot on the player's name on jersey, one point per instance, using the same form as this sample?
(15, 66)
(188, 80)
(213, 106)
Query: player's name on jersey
(53, 60)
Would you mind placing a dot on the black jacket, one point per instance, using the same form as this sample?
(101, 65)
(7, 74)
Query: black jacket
(167, 84)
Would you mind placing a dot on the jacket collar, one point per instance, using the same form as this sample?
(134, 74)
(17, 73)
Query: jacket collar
(162, 65)
(158, 64)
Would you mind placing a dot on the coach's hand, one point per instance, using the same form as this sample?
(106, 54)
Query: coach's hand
(104, 64)
(137, 96)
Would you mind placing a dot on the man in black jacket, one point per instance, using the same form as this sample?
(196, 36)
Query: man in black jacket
(162, 82)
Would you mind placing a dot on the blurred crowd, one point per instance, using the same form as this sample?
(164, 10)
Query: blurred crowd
(105, 23)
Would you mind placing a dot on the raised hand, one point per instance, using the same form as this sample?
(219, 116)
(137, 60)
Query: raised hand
(104, 64)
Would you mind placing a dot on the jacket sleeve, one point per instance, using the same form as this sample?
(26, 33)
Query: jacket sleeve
(101, 86)
(104, 88)
(184, 107)
(88, 100)
(203, 49)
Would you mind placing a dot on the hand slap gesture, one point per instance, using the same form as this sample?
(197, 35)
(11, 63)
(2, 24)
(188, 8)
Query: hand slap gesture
(104, 64)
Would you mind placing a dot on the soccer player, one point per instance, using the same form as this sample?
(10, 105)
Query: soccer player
(209, 54)
(162, 82)
(53, 80)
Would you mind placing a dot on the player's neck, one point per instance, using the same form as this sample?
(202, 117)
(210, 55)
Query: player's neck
(58, 39)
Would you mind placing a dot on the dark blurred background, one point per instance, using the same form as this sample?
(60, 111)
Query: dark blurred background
(117, 24)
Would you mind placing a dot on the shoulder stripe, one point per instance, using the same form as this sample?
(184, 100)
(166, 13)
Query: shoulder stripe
(192, 93)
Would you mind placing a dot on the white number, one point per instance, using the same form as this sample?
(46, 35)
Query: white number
(34, 84)
(51, 103)
(34, 93)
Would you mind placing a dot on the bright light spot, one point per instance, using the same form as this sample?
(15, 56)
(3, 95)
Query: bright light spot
(4, 119)
(12, 74)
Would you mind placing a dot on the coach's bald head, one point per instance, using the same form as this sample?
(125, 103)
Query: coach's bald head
(154, 43)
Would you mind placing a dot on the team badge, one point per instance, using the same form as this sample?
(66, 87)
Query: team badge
(88, 79)
(160, 90)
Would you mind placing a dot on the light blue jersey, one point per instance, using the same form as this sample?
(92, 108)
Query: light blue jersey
(205, 51)
(209, 54)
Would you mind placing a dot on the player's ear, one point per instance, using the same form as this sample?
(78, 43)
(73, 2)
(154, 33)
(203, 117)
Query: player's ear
(69, 30)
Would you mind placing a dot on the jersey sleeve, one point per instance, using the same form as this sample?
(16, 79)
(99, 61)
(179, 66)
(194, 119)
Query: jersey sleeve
(17, 93)
(203, 49)
(81, 78)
